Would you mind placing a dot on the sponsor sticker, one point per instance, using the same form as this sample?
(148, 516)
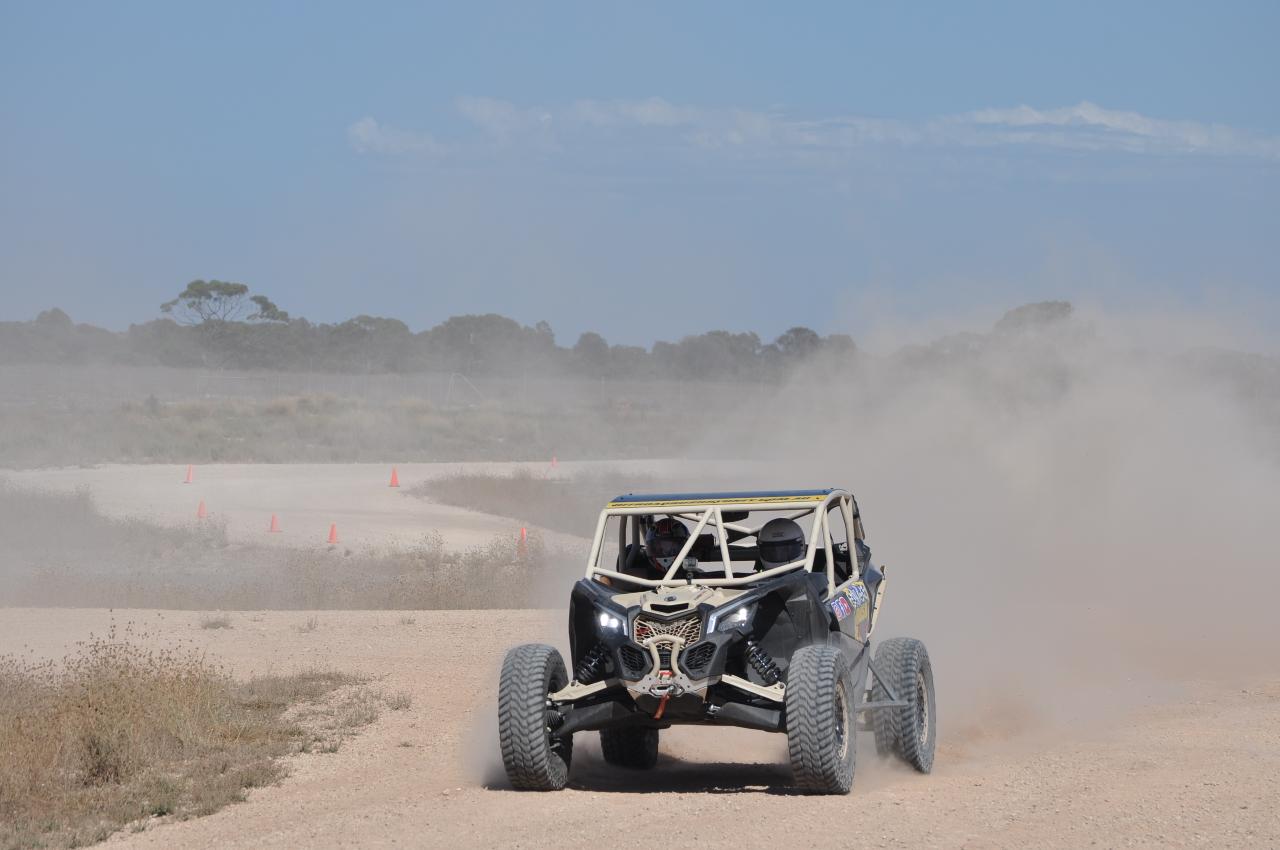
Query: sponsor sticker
(841, 608)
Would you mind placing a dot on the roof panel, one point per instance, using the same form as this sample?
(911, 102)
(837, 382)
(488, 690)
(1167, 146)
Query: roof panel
(723, 497)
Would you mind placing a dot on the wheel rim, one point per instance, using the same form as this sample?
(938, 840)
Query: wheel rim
(842, 727)
(922, 704)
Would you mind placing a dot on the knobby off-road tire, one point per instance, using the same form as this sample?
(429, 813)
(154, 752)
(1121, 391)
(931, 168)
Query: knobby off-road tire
(633, 748)
(820, 722)
(908, 732)
(534, 760)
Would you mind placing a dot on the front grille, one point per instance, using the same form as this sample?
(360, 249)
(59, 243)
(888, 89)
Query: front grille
(686, 628)
(636, 661)
(697, 658)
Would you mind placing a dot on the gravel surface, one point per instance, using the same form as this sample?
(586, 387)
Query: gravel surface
(307, 498)
(1198, 768)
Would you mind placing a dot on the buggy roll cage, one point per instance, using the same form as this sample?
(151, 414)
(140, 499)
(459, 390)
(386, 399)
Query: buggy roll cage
(709, 509)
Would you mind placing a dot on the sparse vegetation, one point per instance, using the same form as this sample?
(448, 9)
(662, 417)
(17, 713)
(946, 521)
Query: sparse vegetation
(398, 700)
(119, 733)
(217, 621)
(408, 621)
(481, 387)
(310, 625)
(362, 424)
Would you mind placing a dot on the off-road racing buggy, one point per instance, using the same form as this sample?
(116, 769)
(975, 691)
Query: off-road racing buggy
(752, 624)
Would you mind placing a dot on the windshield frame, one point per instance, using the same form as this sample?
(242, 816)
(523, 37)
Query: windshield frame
(710, 512)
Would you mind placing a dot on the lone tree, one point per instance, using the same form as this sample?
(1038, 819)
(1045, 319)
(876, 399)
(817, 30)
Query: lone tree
(267, 311)
(218, 301)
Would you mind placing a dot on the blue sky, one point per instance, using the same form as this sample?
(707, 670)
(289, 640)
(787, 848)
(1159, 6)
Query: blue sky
(645, 171)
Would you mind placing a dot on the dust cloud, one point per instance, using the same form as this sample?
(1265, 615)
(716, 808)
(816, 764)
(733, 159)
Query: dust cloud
(1076, 512)
(1072, 523)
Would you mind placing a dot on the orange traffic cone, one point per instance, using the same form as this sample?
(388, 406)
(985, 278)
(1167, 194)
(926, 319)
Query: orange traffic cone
(201, 510)
(522, 547)
(554, 462)
(190, 477)
(275, 525)
(333, 534)
(395, 479)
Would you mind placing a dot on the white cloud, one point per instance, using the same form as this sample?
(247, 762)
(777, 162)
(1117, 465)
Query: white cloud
(650, 112)
(1089, 126)
(505, 122)
(368, 136)
(732, 127)
(1083, 127)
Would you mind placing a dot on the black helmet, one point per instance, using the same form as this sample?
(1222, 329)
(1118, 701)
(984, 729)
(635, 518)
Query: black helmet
(779, 542)
(664, 540)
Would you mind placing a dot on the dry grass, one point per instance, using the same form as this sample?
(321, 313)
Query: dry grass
(118, 733)
(310, 625)
(319, 428)
(398, 700)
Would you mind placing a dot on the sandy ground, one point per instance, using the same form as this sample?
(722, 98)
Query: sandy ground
(1184, 762)
(1203, 770)
(307, 498)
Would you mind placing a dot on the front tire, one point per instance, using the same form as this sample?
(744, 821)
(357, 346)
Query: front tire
(909, 732)
(820, 722)
(534, 759)
(633, 748)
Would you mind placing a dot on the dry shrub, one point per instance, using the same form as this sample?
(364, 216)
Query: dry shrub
(398, 700)
(118, 732)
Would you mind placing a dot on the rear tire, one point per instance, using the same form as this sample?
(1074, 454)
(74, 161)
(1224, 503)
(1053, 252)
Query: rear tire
(533, 758)
(820, 722)
(909, 732)
(633, 748)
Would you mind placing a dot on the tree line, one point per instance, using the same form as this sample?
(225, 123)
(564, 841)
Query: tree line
(221, 324)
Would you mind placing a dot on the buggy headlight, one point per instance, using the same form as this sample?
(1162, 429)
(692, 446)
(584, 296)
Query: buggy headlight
(732, 618)
(609, 621)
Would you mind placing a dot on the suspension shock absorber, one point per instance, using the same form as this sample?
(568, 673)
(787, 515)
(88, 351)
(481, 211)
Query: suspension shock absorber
(763, 663)
(591, 665)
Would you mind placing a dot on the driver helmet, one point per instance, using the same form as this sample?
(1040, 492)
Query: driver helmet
(663, 542)
(779, 542)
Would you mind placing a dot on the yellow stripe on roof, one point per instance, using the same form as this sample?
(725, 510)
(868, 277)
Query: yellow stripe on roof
(752, 500)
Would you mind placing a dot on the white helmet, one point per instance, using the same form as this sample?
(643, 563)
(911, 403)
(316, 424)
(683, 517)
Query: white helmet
(779, 542)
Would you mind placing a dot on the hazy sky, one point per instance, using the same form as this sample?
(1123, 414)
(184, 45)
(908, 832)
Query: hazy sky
(645, 171)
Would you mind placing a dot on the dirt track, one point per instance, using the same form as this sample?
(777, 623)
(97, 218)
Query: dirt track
(307, 498)
(1203, 770)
